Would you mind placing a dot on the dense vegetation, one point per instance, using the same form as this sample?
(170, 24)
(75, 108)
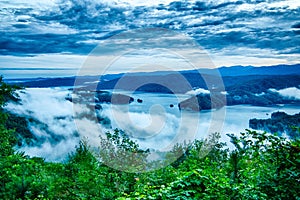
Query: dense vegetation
(280, 123)
(261, 166)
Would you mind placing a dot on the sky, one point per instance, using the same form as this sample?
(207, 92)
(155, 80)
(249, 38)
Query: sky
(60, 38)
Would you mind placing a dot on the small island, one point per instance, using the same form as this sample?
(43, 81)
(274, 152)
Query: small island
(203, 102)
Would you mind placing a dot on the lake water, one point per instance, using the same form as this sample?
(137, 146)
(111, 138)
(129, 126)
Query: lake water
(152, 123)
(155, 124)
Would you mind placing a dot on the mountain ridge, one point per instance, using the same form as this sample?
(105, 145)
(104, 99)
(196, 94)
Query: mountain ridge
(233, 74)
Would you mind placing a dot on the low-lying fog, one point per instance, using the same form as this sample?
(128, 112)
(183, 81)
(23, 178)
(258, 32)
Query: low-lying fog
(154, 123)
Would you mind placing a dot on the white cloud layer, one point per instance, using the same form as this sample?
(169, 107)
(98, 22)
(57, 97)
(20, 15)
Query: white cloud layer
(153, 124)
(198, 91)
(54, 114)
(292, 93)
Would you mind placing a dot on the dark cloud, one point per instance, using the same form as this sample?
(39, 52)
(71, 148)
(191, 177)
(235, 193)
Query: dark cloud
(221, 5)
(84, 16)
(42, 43)
(297, 25)
(179, 6)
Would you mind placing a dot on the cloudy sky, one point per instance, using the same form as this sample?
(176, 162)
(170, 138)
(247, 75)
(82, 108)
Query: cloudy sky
(55, 37)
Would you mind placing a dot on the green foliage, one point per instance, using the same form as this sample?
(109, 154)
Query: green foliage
(119, 152)
(266, 166)
(21, 130)
(262, 166)
(7, 139)
(7, 92)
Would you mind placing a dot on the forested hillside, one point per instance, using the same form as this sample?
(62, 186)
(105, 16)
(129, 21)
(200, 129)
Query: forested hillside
(279, 123)
(261, 166)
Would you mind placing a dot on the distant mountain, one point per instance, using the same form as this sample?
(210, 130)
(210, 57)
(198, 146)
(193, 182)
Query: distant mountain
(44, 82)
(204, 78)
(265, 70)
(258, 84)
(234, 71)
(243, 85)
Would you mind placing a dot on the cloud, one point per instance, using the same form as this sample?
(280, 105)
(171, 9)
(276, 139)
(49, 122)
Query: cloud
(76, 26)
(50, 152)
(291, 93)
(198, 91)
(297, 25)
(51, 122)
(153, 124)
(59, 126)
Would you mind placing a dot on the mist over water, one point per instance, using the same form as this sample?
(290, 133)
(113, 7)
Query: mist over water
(154, 124)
